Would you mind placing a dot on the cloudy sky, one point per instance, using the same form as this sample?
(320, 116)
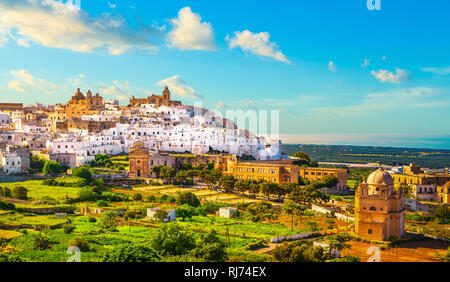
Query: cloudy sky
(329, 67)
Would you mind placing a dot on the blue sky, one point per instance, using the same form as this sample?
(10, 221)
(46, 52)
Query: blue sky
(329, 67)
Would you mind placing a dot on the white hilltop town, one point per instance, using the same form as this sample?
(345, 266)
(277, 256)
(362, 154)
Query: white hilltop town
(87, 125)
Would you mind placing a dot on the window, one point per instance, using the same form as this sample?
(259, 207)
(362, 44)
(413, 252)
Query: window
(369, 231)
(373, 209)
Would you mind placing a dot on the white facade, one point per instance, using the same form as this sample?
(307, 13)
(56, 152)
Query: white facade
(424, 192)
(5, 120)
(171, 214)
(11, 163)
(226, 212)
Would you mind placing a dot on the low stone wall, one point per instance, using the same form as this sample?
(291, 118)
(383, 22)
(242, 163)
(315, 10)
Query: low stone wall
(323, 210)
(50, 210)
(291, 238)
(19, 178)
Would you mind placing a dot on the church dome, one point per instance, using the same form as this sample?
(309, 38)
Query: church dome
(380, 177)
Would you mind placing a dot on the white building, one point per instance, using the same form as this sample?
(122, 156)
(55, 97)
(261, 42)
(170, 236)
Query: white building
(171, 214)
(226, 212)
(5, 119)
(11, 163)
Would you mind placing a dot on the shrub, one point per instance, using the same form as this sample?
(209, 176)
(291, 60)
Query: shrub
(301, 251)
(9, 258)
(87, 195)
(255, 245)
(92, 219)
(39, 227)
(52, 167)
(41, 243)
(98, 182)
(210, 248)
(4, 205)
(137, 197)
(442, 214)
(20, 192)
(102, 203)
(81, 243)
(3, 243)
(212, 207)
(114, 197)
(83, 172)
(108, 221)
(188, 198)
(130, 253)
(151, 198)
(68, 228)
(185, 211)
(132, 215)
(171, 239)
(5, 192)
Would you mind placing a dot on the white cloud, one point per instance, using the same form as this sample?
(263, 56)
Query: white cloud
(388, 76)
(179, 87)
(77, 81)
(331, 66)
(405, 98)
(23, 82)
(437, 70)
(365, 63)
(220, 105)
(112, 5)
(256, 43)
(383, 58)
(120, 90)
(190, 33)
(55, 24)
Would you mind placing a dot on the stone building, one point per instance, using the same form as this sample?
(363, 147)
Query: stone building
(67, 159)
(11, 106)
(443, 193)
(379, 208)
(142, 160)
(156, 100)
(80, 105)
(11, 163)
(318, 173)
(422, 185)
(25, 155)
(139, 161)
(278, 172)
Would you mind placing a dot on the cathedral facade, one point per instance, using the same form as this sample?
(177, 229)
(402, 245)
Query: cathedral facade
(379, 208)
(156, 100)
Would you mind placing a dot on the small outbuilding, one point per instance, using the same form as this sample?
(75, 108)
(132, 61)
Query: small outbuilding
(226, 212)
(171, 214)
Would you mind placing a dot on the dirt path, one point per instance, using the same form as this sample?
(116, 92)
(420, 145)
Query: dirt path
(407, 252)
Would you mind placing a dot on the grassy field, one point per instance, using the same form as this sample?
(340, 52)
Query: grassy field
(238, 233)
(241, 233)
(17, 218)
(39, 191)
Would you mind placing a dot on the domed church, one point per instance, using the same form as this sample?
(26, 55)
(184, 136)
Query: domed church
(379, 208)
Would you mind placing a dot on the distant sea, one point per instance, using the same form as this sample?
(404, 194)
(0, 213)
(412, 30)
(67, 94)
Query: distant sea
(383, 140)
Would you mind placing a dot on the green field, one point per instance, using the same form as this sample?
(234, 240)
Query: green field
(38, 191)
(239, 232)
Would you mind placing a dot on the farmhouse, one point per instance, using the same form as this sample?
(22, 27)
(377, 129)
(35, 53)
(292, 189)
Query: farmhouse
(226, 212)
(171, 214)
